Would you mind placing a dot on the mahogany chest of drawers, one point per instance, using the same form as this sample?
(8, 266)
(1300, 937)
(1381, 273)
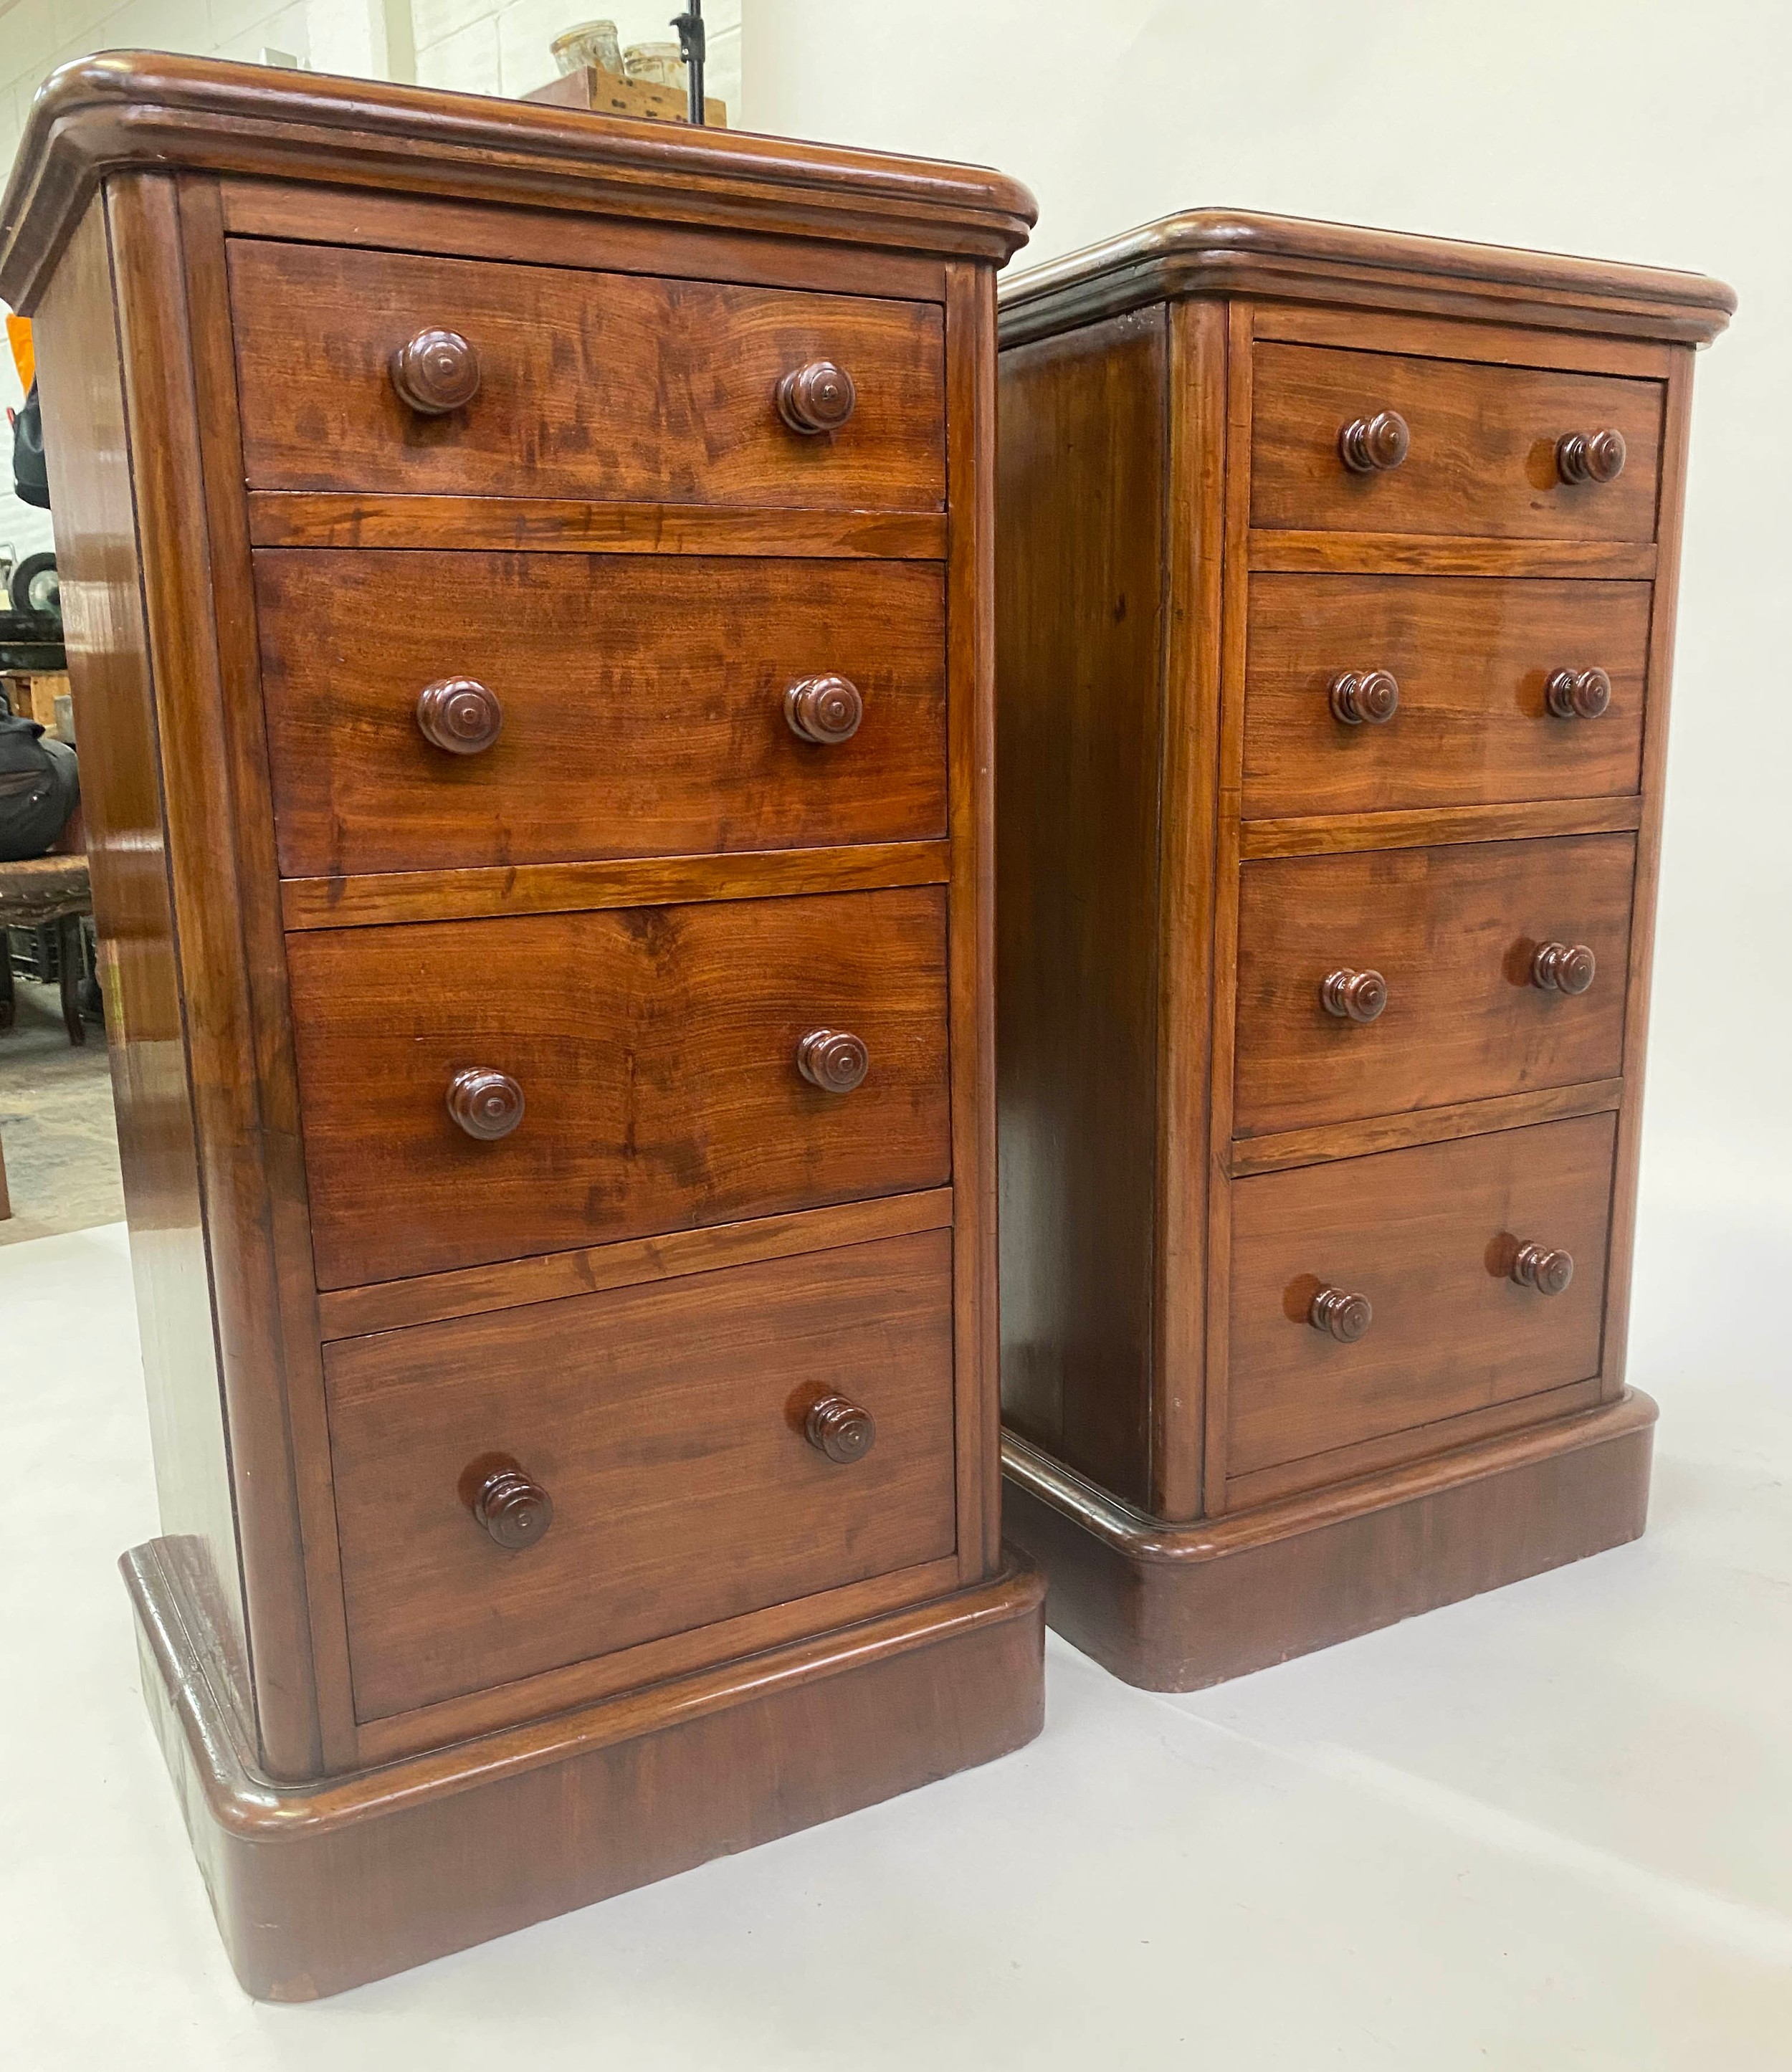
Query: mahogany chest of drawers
(526, 585)
(1335, 583)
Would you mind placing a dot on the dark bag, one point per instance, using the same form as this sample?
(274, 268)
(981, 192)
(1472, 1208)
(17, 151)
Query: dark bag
(38, 789)
(30, 479)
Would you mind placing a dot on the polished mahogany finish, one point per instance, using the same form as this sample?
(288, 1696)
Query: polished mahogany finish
(515, 1510)
(1353, 996)
(826, 709)
(1578, 693)
(840, 1430)
(451, 559)
(458, 714)
(1564, 967)
(833, 1059)
(1590, 456)
(1368, 444)
(487, 1104)
(1372, 696)
(1333, 683)
(436, 371)
(1340, 1315)
(819, 397)
(1538, 1266)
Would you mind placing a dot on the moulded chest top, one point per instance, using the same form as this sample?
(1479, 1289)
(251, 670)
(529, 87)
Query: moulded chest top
(148, 111)
(1232, 252)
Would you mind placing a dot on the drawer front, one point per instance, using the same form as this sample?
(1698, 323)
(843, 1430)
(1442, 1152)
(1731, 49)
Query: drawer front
(590, 385)
(655, 1051)
(1472, 660)
(1482, 457)
(1430, 1237)
(666, 1426)
(1454, 931)
(639, 703)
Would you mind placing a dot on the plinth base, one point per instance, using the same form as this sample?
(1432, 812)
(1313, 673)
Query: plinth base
(318, 1887)
(1178, 1607)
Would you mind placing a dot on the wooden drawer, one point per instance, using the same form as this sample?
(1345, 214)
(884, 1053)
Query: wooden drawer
(1482, 458)
(1430, 1237)
(1472, 659)
(656, 1048)
(665, 1424)
(641, 706)
(1453, 930)
(591, 385)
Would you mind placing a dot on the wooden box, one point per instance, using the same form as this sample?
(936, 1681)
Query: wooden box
(536, 707)
(1335, 581)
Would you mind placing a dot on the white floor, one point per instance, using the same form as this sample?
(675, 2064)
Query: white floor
(1550, 1828)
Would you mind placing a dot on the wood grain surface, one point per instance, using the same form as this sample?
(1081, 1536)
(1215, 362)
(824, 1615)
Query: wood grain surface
(600, 385)
(655, 1048)
(1428, 1235)
(641, 701)
(1452, 931)
(1483, 453)
(1079, 618)
(665, 1423)
(1472, 657)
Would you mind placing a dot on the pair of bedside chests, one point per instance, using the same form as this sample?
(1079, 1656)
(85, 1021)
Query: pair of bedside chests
(545, 594)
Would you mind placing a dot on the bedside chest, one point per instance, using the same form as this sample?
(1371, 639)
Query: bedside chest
(1336, 576)
(527, 582)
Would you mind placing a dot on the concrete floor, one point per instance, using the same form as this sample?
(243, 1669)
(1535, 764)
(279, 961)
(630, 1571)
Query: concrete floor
(1549, 1828)
(56, 1123)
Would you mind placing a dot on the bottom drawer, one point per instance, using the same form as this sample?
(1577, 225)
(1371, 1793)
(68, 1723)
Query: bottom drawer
(1430, 1235)
(665, 1423)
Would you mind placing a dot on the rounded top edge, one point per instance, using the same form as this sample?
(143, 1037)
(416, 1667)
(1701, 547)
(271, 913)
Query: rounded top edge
(1184, 245)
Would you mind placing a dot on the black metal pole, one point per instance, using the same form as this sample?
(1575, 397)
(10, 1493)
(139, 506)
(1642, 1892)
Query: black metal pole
(689, 26)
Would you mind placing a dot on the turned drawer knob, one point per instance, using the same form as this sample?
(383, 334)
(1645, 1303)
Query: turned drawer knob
(1563, 968)
(1368, 445)
(1353, 996)
(487, 1105)
(1340, 1314)
(1590, 456)
(823, 708)
(840, 1430)
(459, 715)
(1578, 693)
(1537, 1266)
(816, 398)
(436, 373)
(515, 1510)
(834, 1060)
(1369, 694)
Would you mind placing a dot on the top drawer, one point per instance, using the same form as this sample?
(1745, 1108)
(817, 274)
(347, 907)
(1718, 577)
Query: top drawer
(590, 385)
(1481, 459)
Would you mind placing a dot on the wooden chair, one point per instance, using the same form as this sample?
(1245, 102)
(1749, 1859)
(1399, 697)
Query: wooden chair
(47, 892)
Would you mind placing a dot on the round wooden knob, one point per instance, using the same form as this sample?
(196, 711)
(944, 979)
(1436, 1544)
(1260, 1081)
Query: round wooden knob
(1369, 445)
(1590, 456)
(1340, 1315)
(459, 715)
(831, 1059)
(436, 373)
(1371, 695)
(823, 708)
(1537, 1266)
(1578, 693)
(1563, 968)
(1353, 996)
(487, 1105)
(515, 1510)
(816, 398)
(840, 1430)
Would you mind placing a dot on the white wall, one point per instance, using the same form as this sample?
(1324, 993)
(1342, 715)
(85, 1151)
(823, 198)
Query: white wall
(1649, 131)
